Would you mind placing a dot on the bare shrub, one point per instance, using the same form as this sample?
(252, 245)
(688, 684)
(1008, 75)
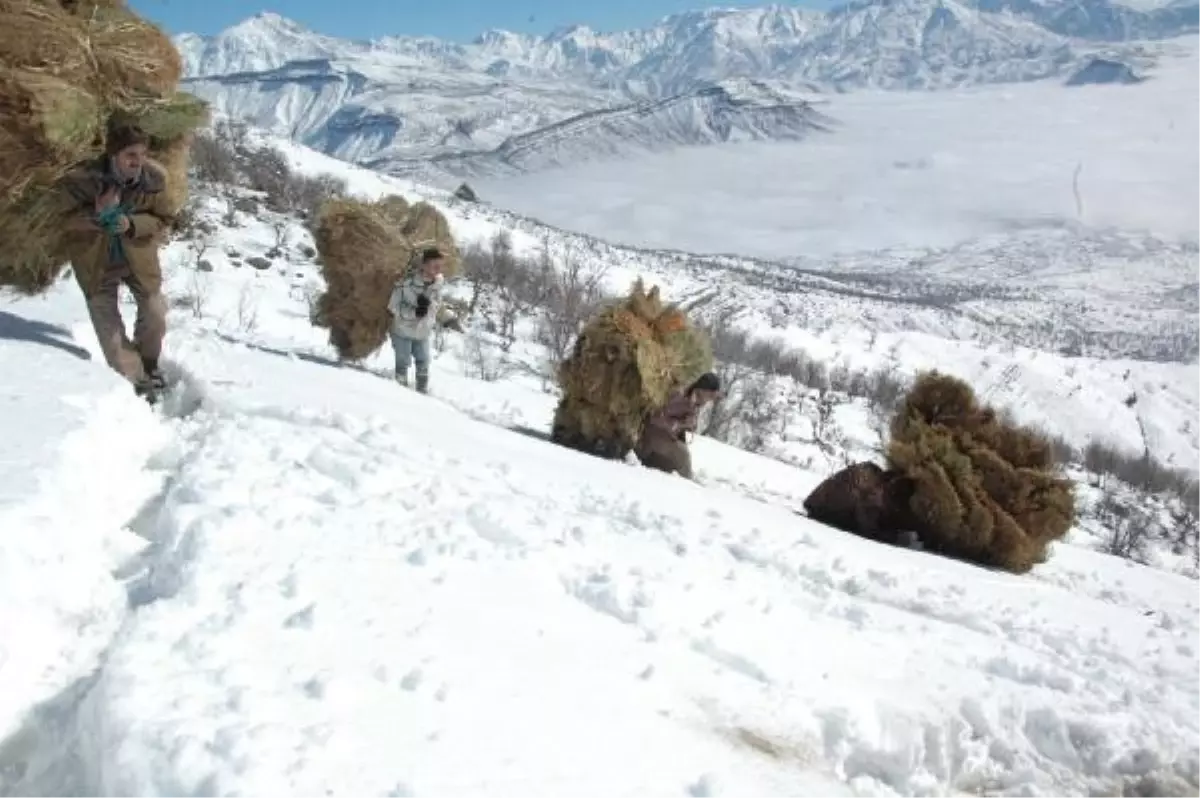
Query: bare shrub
(504, 287)
(746, 414)
(279, 231)
(482, 361)
(214, 159)
(573, 291)
(195, 296)
(247, 308)
(1127, 529)
(828, 436)
(1142, 472)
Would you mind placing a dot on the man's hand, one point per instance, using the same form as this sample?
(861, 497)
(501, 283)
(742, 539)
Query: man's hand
(108, 199)
(123, 225)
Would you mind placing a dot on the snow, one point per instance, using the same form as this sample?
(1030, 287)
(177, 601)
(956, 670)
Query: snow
(903, 170)
(302, 578)
(398, 98)
(71, 472)
(1073, 283)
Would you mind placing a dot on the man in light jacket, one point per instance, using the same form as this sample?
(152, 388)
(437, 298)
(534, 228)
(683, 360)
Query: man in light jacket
(413, 305)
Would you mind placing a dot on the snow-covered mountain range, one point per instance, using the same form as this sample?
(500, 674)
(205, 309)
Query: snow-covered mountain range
(693, 78)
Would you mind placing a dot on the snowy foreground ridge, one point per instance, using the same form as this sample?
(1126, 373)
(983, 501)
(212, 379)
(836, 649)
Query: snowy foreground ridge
(302, 579)
(305, 580)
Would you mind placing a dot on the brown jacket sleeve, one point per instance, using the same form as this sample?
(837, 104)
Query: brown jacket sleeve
(77, 197)
(153, 219)
(678, 415)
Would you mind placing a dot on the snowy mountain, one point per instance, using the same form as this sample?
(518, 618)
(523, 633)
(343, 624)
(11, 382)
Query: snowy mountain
(729, 111)
(1100, 20)
(299, 578)
(389, 106)
(398, 98)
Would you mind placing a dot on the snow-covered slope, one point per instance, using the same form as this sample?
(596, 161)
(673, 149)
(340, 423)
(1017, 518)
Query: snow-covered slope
(302, 579)
(409, 97)
(1055, 360)
(732, 111)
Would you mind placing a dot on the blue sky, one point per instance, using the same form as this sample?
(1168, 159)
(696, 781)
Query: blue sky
(460, 20)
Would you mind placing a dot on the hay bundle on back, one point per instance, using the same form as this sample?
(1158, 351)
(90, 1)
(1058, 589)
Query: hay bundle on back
(984, 489)
(45, 122)
(173, 159)
(39, 36)
(625, 364)
(69, 68)
(362, 253)
(395, 208)
(32, 258)
(130, 56)
(425, 227)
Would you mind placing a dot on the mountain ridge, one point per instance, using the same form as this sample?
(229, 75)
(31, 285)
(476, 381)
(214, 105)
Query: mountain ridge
(404, 99)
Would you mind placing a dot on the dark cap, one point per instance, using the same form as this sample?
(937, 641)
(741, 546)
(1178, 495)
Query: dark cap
(707, 382)
(122, 136)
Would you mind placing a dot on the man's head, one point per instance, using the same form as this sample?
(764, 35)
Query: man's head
(705, 389)
(128, 146)
(432, 263)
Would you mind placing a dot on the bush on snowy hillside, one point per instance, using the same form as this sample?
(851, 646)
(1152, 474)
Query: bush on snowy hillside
(224, 156)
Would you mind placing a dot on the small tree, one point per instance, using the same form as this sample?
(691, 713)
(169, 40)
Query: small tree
(573, 294)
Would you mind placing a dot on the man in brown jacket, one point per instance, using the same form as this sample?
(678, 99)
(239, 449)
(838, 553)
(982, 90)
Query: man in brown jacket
(121, 216)
(663, 445)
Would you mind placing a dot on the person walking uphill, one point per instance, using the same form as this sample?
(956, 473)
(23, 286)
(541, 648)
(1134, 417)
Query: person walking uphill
(413, 305)
(121, 215)
(663, 444)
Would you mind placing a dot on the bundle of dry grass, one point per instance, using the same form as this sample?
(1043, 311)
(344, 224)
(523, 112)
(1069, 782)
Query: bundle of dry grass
(983, 489)
(131, 57)
(33, 258)
(45, 123)
(362, 253)
(68, 68)
(625, 364)
(425, 226)
(395, 208)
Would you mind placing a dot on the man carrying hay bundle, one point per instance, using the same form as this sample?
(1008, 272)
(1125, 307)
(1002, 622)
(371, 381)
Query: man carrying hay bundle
(121, 212)
(89, 92)
(627, 362)
(365, 252)
(966, 481)
(663, 444)
(413, 306)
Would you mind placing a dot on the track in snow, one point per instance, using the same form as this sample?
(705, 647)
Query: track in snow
(51, 753)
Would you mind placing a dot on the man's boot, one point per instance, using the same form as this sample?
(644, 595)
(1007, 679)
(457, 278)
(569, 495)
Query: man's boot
(402, 378)
(145, 389)
(422, 383)
(154, 375)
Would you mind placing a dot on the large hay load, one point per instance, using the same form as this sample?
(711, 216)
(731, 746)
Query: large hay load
(68, 69)
(625, 364)
(364, 248)
(426, 227)
(362, 253)
(975, 486)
